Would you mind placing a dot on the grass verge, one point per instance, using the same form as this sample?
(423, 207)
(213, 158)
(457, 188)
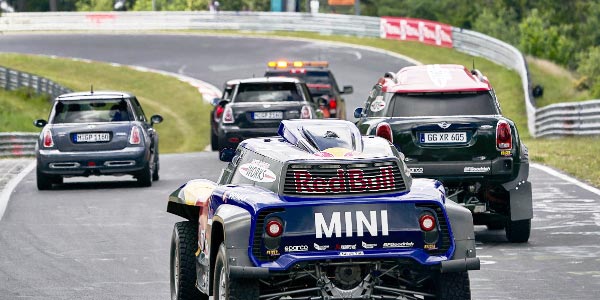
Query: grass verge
(20, 108)
(185, 128)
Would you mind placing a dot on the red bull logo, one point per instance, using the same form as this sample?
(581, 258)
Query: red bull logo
(346, 181)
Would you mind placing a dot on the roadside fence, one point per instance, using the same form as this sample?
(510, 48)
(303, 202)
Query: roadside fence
(13, 80)
(17, 144)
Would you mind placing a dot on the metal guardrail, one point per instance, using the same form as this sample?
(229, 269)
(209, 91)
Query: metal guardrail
(576, 118)
(13, 80)
(17, 144)
(467, 41)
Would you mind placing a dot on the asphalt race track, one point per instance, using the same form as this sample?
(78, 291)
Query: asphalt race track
(104, 238)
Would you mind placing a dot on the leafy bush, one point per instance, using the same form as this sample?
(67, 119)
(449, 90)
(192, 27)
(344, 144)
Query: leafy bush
(589, 66)
(539, 38)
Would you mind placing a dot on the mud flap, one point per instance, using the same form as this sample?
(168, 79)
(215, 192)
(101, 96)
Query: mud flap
(521, 204)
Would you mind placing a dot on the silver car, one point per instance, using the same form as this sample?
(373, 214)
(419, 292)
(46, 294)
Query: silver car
(97, 133)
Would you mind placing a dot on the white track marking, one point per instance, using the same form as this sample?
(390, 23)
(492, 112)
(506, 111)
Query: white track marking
(11, 185)
(566, 178)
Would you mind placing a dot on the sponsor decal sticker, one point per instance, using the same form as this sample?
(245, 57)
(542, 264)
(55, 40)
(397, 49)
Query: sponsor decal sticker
(416, 170)
(375, 224)
(430, 246)
(321, 247)
(368, 246)
(298, 248)
(476, 169)
(345, 247)
(354, 253)
(258, 171)
(399, 245)
(273, 252)
(351, 180)
(439, 76)
(378, 104)
(505, 153)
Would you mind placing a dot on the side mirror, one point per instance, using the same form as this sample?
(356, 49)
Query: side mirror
(156, 119)
(348, 89)
(358, 112)
(215, 101)
(227, 154)
(40, 123)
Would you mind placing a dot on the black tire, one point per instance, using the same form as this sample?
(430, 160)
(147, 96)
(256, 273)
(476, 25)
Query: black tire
(223, 288)
(44, 182)
(155, 176)
(454, 286)
(214, 141)
(518, 231)
(183, 262)
(144, 177)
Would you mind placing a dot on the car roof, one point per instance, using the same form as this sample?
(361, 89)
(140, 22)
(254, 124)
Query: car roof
(436, 78)
(274, 79)
(94, 95)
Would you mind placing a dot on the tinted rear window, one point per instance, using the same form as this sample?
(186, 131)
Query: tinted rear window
(89, 111)
(442, 104)
(268, 92)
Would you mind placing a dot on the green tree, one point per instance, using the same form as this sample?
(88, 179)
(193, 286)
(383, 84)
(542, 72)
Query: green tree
(539, 38)
(589, 66)
(499, 23)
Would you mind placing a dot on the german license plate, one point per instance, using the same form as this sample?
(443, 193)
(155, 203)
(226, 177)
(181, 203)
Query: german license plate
(268, 115)
(443, 137)
(92, 137)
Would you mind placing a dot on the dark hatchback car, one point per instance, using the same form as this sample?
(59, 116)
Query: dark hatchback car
(256, 107)
(447, 121)
(320, 82)
(97, 133)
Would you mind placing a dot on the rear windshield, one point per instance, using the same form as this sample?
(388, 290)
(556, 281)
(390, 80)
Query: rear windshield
(268, 92)
(318, 82)
(441, 104)
(87, 111)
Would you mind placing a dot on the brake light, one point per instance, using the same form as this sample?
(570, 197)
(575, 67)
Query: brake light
(427, 222)
(274, 228)
(48, 141)
(228, 115)
(503, 135)
(134, 136)
(219, 111)
(305, 113)
(384, 130)
(297, 71)
(332, 103)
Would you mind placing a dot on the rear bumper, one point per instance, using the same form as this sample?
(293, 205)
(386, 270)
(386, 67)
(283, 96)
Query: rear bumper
(502, 166)
(124, 161)
(227, 133)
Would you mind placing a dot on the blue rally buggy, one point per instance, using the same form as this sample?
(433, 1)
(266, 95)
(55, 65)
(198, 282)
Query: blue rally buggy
(319, 213)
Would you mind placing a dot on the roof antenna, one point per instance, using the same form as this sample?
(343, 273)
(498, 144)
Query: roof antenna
(473, 63)
(92, 89)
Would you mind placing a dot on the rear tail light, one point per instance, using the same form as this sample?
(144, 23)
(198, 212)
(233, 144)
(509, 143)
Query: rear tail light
(228, 115)
(48, 141)
(219, 112)
(384, 130)
(274, 228)
(305, 113)
(503, 135)
(427, 222)
(134, 136)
